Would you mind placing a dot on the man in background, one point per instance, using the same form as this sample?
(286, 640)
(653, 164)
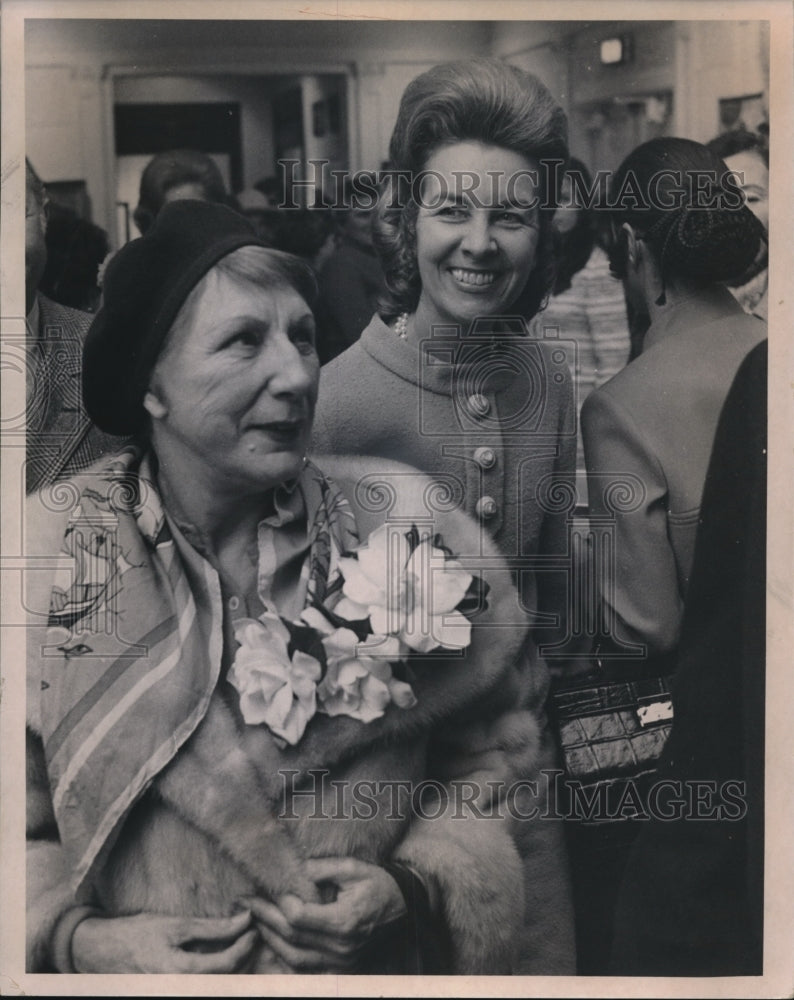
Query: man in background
(61, 440)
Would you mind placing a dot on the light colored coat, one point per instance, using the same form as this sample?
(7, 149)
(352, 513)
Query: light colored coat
(652, 428)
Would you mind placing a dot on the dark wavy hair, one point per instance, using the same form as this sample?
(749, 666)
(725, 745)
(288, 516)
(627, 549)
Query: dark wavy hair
(702, 234)
(172, 169)
(479, 100)
(573, 248)
(740, 141)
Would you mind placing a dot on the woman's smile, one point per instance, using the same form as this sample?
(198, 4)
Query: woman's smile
(475, 246)
(472, 279)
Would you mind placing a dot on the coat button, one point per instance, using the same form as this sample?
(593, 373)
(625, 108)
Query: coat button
(486, 508)
(234, 603)
(485, 458)
(479, 405)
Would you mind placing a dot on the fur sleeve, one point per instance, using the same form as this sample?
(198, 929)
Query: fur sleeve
(474, 865)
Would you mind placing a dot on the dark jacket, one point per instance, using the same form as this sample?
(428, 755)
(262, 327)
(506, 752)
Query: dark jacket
(691, 899)
(61, 439)
(350, 284)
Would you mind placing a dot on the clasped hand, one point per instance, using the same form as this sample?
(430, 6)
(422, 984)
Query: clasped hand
(330, 937)
(307, 936)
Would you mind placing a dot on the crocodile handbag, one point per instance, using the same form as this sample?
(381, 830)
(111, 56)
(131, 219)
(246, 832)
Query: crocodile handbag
(611, 733)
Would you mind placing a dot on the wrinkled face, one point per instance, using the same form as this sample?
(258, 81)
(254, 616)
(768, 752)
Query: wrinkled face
(233, 391)
(755, 184)
(477, 232)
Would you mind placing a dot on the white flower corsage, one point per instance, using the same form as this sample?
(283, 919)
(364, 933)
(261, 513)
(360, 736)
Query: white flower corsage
(397, 596)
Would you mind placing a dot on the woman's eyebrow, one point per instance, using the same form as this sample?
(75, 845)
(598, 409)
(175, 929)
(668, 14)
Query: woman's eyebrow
(244, 322)
(307, 317)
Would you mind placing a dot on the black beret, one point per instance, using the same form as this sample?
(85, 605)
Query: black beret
(144, 287)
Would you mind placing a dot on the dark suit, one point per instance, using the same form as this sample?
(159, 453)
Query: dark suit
(61, 440)
(691, 900)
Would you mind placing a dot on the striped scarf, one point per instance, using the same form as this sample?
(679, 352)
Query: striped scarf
(129, 668)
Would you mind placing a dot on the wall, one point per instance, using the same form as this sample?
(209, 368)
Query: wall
(66, 129)
(333, 145)
(719, 59)
(253, 94)
(540, 47)
(71, 67)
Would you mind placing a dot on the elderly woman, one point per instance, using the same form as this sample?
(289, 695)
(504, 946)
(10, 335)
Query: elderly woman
(681, 231)
(264, 732)
(445, 377)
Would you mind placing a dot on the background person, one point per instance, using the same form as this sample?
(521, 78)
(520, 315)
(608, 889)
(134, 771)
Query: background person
(174, 175)
(652, 426)
(75, 250)
(586, 304)
(690, 902)
(748, 154)
(61, 439)
(351, 279)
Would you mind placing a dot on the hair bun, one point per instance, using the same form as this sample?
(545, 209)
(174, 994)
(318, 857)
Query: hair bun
(712, 244)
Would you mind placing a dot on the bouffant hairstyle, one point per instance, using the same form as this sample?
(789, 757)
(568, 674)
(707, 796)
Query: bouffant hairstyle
(172, 169)
(682, 201)
(479, 100)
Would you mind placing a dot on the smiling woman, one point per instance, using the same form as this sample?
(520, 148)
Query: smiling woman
(475, 250)
(447, 379)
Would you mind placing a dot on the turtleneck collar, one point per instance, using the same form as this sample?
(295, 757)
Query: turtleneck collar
(436, 363)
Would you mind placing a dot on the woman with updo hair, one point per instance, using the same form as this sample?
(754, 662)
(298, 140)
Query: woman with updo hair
(680, 230)
(446, 378)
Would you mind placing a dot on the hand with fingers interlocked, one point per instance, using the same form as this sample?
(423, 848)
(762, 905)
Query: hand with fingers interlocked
(332, 936)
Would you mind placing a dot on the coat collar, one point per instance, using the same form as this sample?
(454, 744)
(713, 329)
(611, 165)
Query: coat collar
(710, 305)
(438, 363)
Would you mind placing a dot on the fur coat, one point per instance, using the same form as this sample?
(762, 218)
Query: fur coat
(222, 820)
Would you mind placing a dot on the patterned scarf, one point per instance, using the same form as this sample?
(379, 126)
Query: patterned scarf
(129, 668)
